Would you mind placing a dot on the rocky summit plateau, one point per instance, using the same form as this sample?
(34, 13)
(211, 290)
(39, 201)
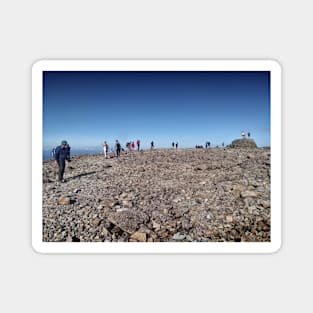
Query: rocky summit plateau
(166, 195)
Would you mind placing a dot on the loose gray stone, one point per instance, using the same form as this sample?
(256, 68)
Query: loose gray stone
(165, 201)
(179, 236)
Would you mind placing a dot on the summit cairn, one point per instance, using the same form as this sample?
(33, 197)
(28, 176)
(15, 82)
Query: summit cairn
(243, 142)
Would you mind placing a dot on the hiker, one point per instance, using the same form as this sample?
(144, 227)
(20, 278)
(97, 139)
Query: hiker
(243, 135)
(223, 144)
(133, 145)
(53, 152)
(105, 149)
(62, 153)
(138, 144)
(176, 145)
(173, 144)
(117, 148)
(249, 135)
(152, 144)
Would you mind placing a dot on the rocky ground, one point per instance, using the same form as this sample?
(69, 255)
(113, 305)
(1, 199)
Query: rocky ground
(161, 195)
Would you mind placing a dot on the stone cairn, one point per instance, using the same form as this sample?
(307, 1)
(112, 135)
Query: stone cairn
(243, 142)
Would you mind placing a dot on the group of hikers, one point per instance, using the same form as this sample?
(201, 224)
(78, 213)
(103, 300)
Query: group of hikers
(118, 147)
(131, 145)
(173, 144)
(207, 145)
(62, 152)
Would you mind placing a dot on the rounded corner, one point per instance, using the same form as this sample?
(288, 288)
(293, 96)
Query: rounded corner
(36, 248)
(276, 248)
(37, 64)
(275, 64)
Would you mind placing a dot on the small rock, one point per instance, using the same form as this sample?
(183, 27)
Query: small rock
(122, 210)
(229, 218)
(75, 239)
(105, 232)
(64, 200)
(200, 168)
(266, 204)
(46, 180)
(155, 225)
(249, 194)
(251, 209)
(96, 221)
(198, 200)
(139, 236)
(236, 190)
(179, 236)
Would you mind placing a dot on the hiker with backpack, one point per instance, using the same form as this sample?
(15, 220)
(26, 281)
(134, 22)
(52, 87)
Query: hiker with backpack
(138, 144)
(62, 153)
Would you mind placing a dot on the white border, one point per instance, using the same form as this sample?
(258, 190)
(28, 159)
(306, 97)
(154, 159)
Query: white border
(156, 65)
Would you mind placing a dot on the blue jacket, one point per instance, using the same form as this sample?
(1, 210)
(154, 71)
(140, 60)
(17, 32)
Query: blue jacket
(62, 153)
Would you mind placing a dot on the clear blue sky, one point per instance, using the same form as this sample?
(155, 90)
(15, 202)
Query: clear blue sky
(86, 108)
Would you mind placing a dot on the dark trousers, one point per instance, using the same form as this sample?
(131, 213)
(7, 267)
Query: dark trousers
(118, 152)
(61, 164)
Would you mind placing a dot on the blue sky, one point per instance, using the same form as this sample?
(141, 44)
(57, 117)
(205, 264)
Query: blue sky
(86, 108)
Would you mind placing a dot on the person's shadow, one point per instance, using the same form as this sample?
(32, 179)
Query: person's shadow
(89, 173)
(81, 175)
